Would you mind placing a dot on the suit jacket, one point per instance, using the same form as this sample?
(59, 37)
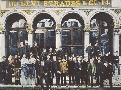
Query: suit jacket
(77, 66)
(55, 66)
(107, 71)
(26, 49)
(99, 68)
(48, 64)
(14, 50)
(60, 54)
(71, 67)
(41, 70)
(89, 49)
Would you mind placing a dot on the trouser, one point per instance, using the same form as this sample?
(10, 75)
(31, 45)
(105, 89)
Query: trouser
(91, 75)
(17, 75)
(71, 78)
(57, 78)
(49, 78)
(26, 71)
(32, 70)
(63, 75)
(9, 77)
(41, 80)
(77, 78)
(118, 66)
(99, 79)
(3, 76)
(85, 74)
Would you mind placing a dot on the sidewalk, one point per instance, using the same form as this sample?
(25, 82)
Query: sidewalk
(33, 87)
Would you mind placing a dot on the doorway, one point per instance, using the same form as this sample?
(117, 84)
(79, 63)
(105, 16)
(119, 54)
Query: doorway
(102, 32)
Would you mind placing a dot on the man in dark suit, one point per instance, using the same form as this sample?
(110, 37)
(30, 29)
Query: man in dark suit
(107, 73)
(99, 70)
(48, 64)
(21, 49)
(34, 49)
(13, 38)
(116, 62)
(96, 50)
(26, 49)
(90, 51)
(85, 71)
(78, 68)
(14, 50)
(4, 64)
(42, 74)
(71, 70)
(23, 36)
(44, 54)
(56, 70)
(60, 54)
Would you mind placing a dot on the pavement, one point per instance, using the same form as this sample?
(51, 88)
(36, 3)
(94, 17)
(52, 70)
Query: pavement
(33, 87)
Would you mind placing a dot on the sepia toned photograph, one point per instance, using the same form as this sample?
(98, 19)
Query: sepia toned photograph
(60, 44)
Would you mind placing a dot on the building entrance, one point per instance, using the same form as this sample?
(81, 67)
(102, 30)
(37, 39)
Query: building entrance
(44, 31)
(72, 34)
(16, 33)
(102, 32)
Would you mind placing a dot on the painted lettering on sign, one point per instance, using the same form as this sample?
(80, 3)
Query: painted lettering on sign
(57, 3)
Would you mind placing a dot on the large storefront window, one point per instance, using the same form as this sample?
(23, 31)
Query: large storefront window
(44, 27)
(15, 33)
(72, 34)
(102, 32)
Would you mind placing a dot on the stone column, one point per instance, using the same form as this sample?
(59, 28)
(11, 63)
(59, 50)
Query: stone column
(116, 40)
(86, 41)
(58, 38)
(2, 45)
(30, 39)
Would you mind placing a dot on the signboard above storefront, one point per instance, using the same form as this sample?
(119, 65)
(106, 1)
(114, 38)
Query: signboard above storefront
(57, 3)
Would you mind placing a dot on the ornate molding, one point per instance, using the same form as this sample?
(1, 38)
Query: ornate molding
(29, 12)
(117, 11)
(1, 28)
(86, 27)
(58, 11)
(87, 11)
(29, 28)
(58, 31)
(117, 26)
(2, 12)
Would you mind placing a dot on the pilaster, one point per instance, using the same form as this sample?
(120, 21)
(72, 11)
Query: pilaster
(2, 45)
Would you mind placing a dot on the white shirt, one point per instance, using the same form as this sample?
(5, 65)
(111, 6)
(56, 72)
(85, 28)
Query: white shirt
(24, 61)
(32, 60)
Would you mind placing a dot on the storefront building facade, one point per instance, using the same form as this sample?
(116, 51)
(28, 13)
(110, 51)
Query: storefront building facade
(71, 25)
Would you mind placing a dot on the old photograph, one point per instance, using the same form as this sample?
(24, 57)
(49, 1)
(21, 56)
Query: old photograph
(60, 44)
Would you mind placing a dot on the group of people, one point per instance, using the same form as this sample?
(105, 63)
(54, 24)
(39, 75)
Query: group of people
(57, 64)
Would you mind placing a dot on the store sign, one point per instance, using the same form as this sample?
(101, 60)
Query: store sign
(57, 3)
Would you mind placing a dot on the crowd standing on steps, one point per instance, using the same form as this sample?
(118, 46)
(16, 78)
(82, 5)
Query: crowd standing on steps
(52, 63)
